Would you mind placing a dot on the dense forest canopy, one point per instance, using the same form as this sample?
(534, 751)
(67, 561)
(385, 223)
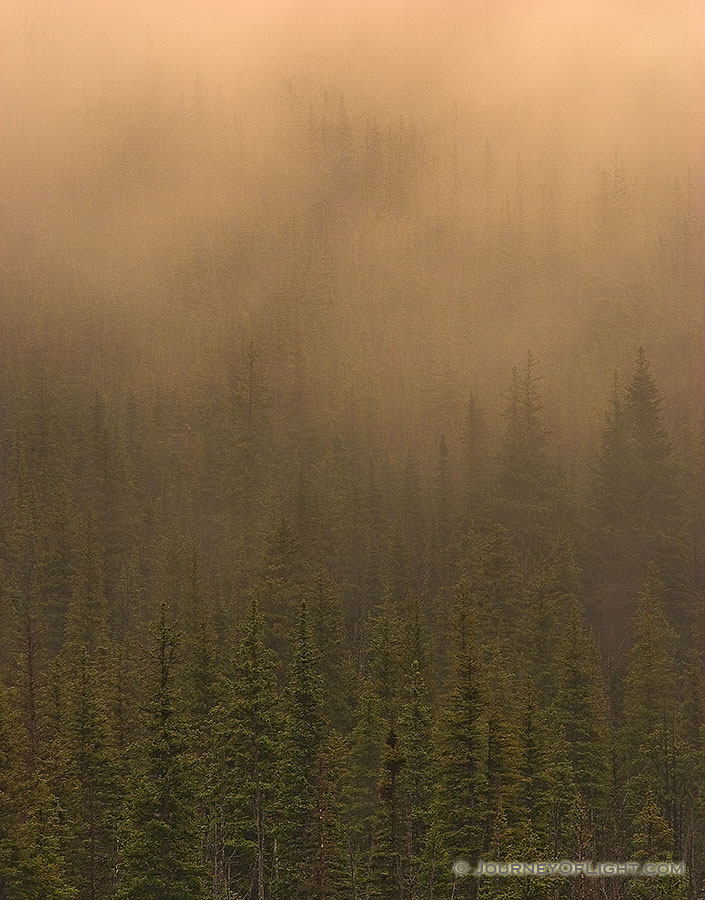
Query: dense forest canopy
(351, 448)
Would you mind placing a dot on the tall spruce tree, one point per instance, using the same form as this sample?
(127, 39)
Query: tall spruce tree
(309, 861)
(634, 496)
(241, 789)
(92, 800)
(416, 780)
(460, 805)
(581, 712)
(389, 857)
(384, 659)
(31, 862)
(336, 665)
(529, 479)
(652, 840)
(652, 732)
(361, 773)
(161, 854)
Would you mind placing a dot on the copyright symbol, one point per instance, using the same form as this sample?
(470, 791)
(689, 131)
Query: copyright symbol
(461, 868)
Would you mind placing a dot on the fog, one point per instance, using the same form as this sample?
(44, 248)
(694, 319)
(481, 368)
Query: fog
(422, 190)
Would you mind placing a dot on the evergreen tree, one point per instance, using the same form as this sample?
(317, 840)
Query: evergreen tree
(612, 476)
(650, 687)
(384, 657)
(281, 587)
(653, 476)
(493, 586)
(634, 494)
(549, 595)
(241, 789)
(508, 843)
(501, 773)
(31, 864)
(87, 623)
(460, 808)
(92, 799)
(335, 661)
(653, 841)
(309, 861)
(559, 799)
(388, 863)
(360, 780)
(529, 480)
(653, 742)
(161, 848)
(531, 756)
(444, 493)
(581, 713)
(416, 780)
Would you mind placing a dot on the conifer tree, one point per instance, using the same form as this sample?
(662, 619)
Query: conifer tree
(550, 594)
(634, 494)
(31, 863)
(335, 663)
(650, 688)
(652, 840)
(361, 773)
(87, 622)
(501, 773)
(529, 480)
(385, 647)
(460, 808)
(54, 571)
(416, 780)
(92, 799)
(559, 797)
(612, 475)
(531, 756)
(507, 843)
(415, 652)
(28, 650)
(203, 687)
(653, 473)
(444, 491)
(493, 586)
(388, 863)
(162, 848)
(202, 672)
(581, 713)
(653, 742)
(281, 587)
(241, 789)
(309, 858)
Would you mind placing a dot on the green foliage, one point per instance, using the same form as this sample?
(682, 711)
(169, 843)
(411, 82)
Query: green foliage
(388, 858)
(31, 863)
(92, 800)
(581, 712)
(309, 855)
(416, 776)
(461, 789)
(362, 772)
(442, 697)
(241, 786)
(653, 841)
(385, 642)
(161, 850)
(335, 664)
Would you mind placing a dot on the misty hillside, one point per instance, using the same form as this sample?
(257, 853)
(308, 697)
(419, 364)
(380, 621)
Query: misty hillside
(351, 449)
